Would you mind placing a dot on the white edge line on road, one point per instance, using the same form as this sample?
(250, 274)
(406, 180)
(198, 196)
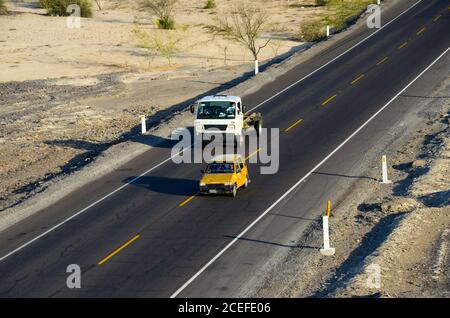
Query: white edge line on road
(175, 294)
(90, 206)
(168, 159)
(334, 59)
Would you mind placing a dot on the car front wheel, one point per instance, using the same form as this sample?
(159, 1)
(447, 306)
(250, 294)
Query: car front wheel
(234, 191)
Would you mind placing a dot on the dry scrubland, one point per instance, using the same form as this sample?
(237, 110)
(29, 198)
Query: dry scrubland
(36, 46)
(68, 94)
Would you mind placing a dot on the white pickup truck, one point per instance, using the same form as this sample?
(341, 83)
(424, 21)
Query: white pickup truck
(224, 115)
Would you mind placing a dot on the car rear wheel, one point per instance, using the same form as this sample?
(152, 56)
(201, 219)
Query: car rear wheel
(246, 182)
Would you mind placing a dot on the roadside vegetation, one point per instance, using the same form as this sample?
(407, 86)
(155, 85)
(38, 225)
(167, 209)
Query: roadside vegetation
(2, 7)
(165, 44)
(243, 25)
(59, 7)
(210, 4)
(163, 10)
(338, 13)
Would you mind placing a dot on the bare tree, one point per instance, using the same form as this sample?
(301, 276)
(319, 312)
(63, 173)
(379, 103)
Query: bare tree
(163, 10)
(98, 4)
(243, 24)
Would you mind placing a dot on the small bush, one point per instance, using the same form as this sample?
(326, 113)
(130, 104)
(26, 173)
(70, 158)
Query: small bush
(340, 12)
(59, 7)
(210, 4)
(2, 7)
(166, 23)
(312, 30)
(163, 10)
(321, 3)
(166, 44)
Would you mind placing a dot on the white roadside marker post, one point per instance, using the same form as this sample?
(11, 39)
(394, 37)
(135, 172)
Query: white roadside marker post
(256, 67)
(328, 30)
(384, 170)
(143, 124)
(326, 250)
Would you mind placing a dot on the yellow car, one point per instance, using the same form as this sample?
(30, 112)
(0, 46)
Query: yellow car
(224, 174)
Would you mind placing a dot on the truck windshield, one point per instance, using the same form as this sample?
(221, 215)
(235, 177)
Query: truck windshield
(220, 168)
(216, 110)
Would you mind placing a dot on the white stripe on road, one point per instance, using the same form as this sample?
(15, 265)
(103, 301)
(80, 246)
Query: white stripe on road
(168, 159)
(89, 206)
(175, 294)
(334, 59)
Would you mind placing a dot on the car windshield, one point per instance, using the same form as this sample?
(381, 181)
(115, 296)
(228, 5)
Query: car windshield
(220, 168)
(216, 110)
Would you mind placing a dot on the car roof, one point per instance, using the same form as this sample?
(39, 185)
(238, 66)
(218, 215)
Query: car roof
(220, 97)
(226, 158)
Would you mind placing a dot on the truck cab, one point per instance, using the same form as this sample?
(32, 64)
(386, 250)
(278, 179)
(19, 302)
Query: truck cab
(218, 114)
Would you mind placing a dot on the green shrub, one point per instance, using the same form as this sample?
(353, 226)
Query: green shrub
(321, 3)
(340, 12)
(163, 10)
(312, 30)
(2, 6)
(210, 4)
(166, 23)
(59, 7)
(166, 44)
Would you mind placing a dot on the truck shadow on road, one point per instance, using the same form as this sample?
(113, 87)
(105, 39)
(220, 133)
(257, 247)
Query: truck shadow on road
(171, 186)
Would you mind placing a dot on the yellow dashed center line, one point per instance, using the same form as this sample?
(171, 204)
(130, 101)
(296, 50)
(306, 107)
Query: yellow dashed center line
(382, 61)
(329, 99)
(403, 45)
(437, 18)
(293, 125)
(357, 79)
(421, 31)
(119, 249)
(187, 201)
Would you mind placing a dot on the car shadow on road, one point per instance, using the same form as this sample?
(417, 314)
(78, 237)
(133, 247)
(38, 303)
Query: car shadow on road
(171, 186)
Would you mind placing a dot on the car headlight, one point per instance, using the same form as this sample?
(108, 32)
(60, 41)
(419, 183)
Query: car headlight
(202, 184)
(199, 127)
(228, 183)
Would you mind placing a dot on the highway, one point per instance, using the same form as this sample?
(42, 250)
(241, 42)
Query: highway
(155, 238)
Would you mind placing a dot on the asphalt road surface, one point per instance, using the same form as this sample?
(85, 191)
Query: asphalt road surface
(155, 238)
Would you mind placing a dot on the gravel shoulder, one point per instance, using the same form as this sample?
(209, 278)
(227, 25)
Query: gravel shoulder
(398, 230)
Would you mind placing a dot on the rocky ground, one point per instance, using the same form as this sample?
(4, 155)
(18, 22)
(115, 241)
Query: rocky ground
(399, 230)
